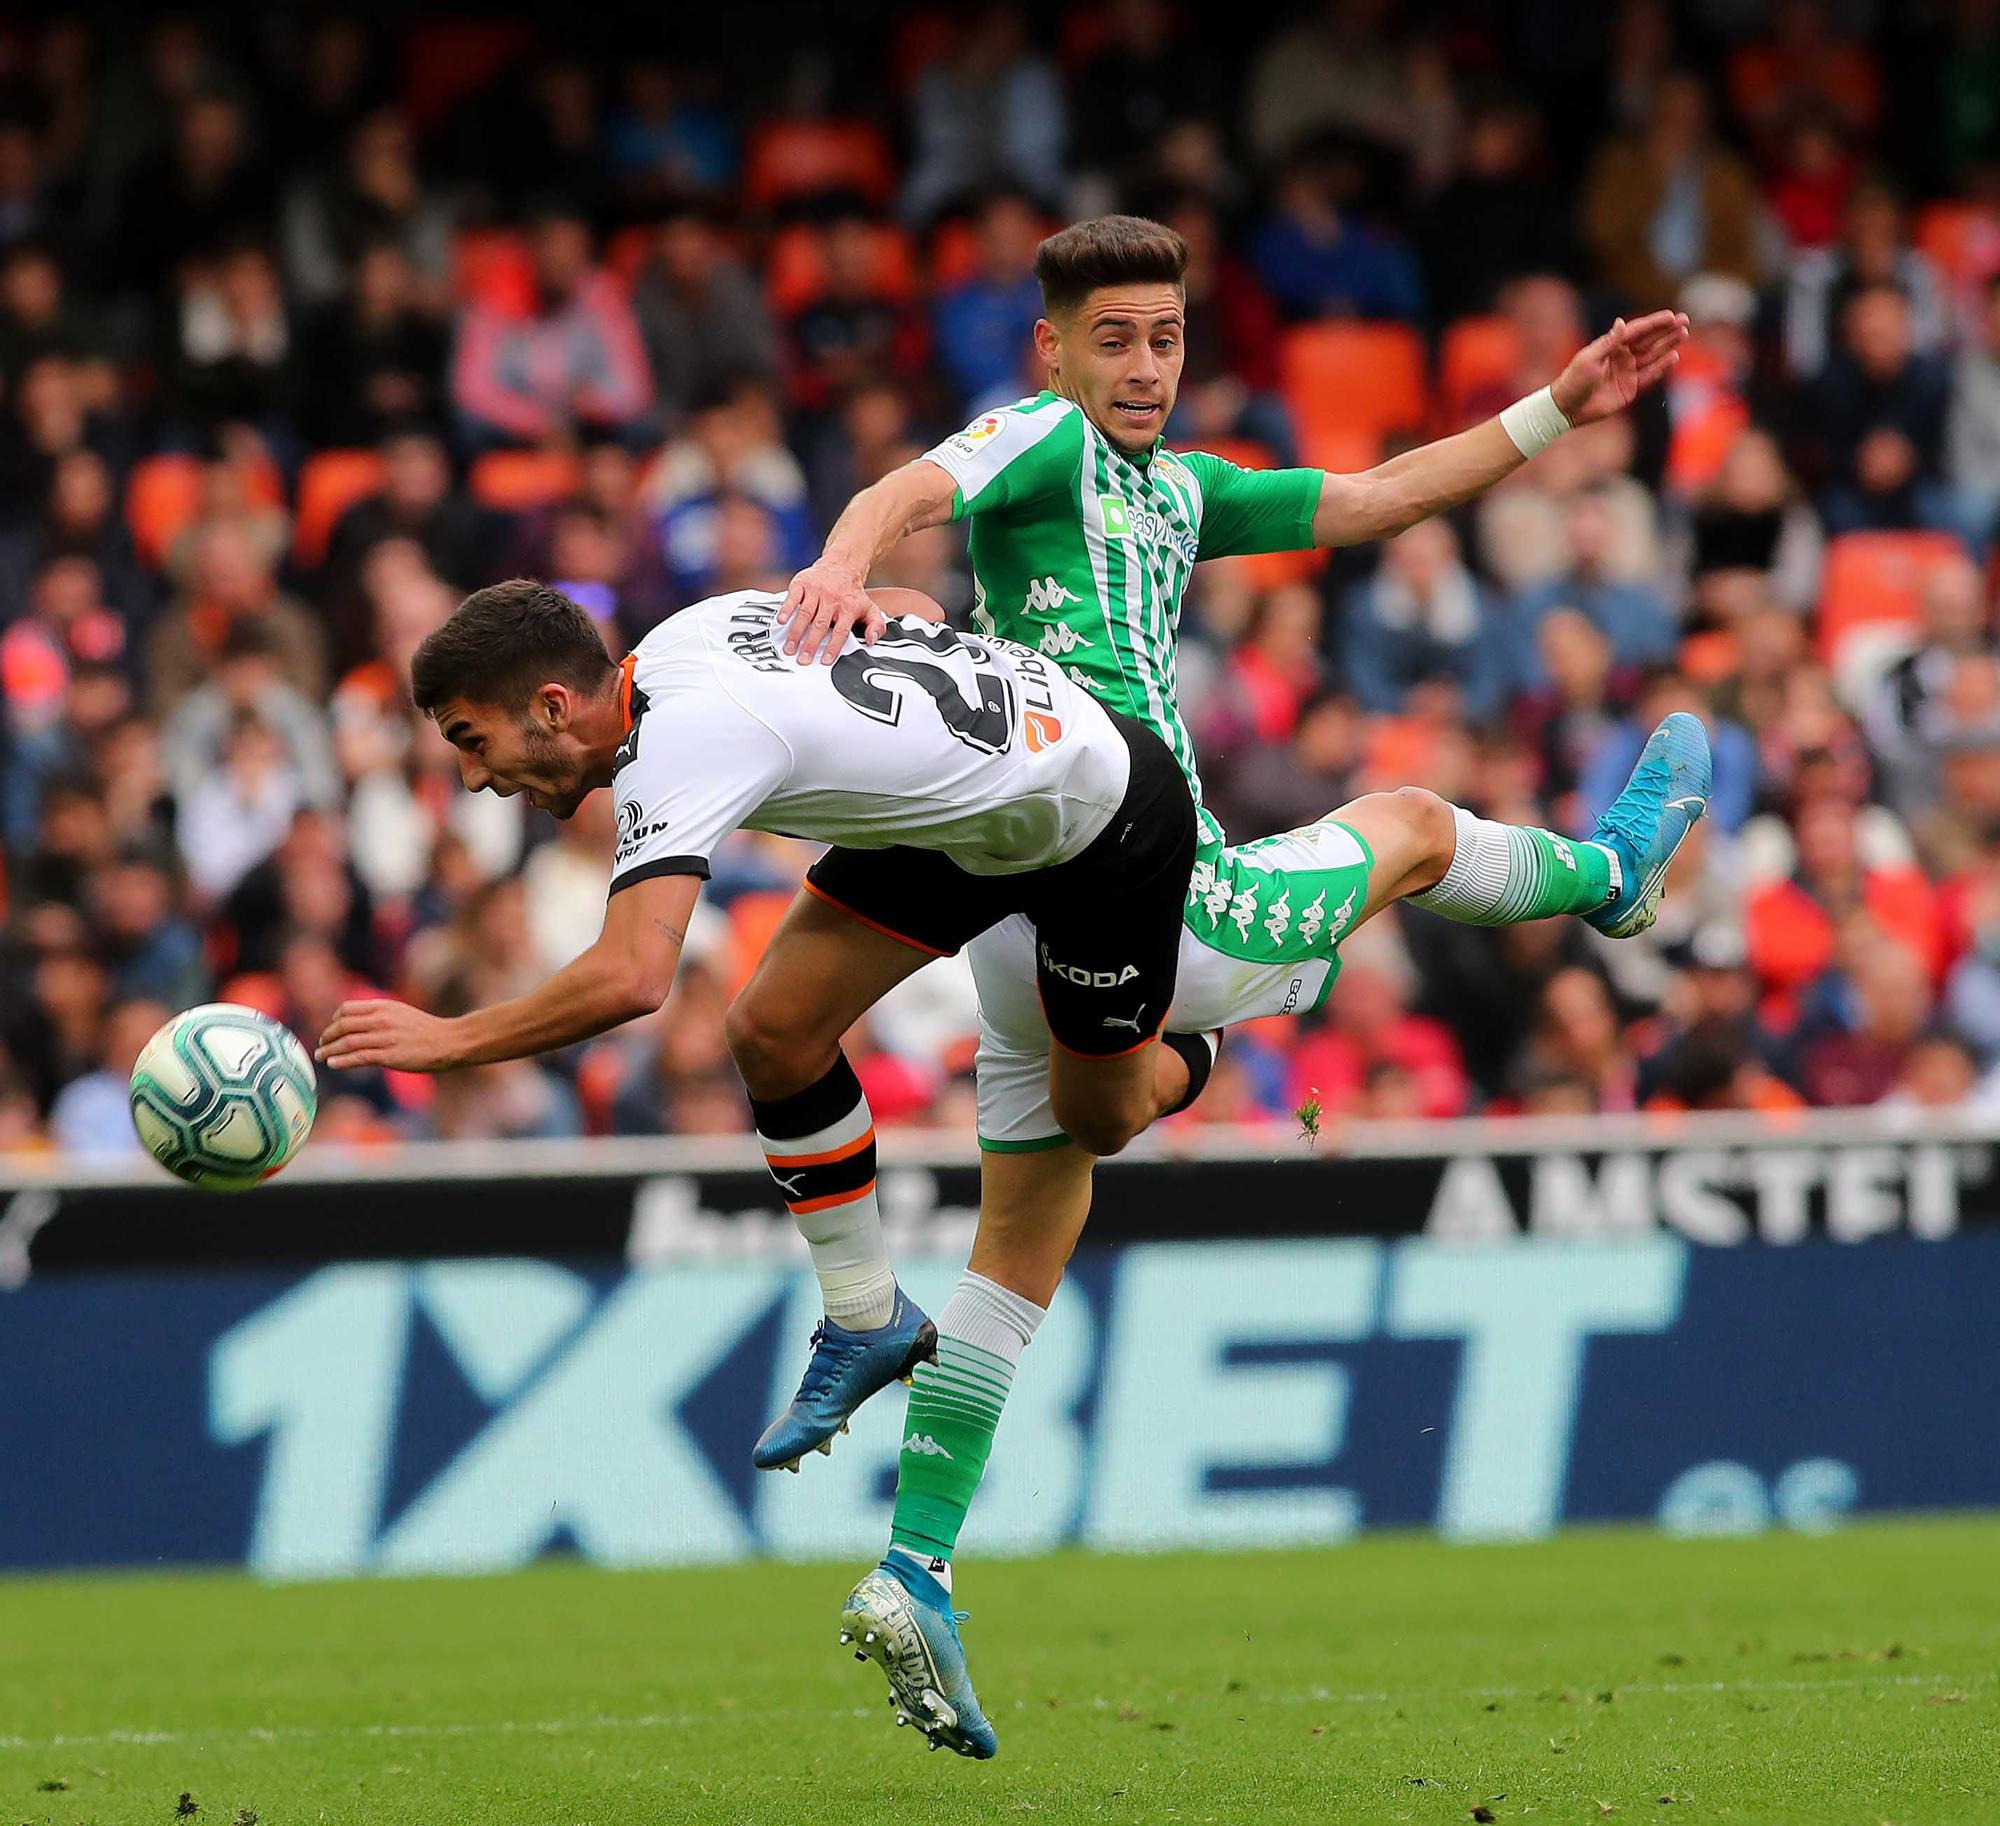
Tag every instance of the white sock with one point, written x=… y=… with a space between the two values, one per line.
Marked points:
x=938 y=1569
x=990 y=1317
x=826 y=1174
x=1501 y=874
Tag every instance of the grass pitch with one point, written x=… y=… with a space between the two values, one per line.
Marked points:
x=1854 y=1677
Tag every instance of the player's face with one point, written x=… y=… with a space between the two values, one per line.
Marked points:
x=1119 y=357
x=504 y=752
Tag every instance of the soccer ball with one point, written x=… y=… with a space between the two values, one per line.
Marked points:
x=223 y=1096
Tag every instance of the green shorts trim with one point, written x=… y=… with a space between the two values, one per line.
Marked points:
x=1039 y=1146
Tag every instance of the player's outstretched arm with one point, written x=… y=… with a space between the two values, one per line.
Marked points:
x=1603 y=378
x=829 y=596
x=625 y=974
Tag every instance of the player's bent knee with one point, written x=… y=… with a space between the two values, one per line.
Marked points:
x=1100 y=1126
x=1431 y=821
x=766 y=1040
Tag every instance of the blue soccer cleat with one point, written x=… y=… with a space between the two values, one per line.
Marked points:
x=846 y=1368
x=1649 y=821
x=902 y=1619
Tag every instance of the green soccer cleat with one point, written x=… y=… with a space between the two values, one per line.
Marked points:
x=1649 y=821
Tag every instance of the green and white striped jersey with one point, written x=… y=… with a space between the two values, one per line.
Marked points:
x=1084 y=554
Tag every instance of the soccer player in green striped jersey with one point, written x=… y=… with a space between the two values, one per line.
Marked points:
x=1084 y=531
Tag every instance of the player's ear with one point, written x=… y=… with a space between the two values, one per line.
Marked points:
x=552 y=707
x=1048 y=341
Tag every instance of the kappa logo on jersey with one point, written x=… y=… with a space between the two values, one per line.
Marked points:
x=986 y=426
x=1059 y=640
x=1087 y=979
x=924 y=1446
x=1045 y=596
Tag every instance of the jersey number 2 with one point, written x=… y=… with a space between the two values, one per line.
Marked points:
x=865 y=677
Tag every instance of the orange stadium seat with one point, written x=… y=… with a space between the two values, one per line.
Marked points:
x=329 y=484
x=789 y=159
x=753 y=918
x=518 y=481
x=162 y=497
x=1344 y=379
x=1478 y=355
x=1875 y=578
x=795 y=270
x=1961 y=239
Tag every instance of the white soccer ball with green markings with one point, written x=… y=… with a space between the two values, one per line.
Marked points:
x=223 y=1096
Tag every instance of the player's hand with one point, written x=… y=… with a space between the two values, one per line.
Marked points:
x=823 y=605
x=1613 y=371
x=392 y=1035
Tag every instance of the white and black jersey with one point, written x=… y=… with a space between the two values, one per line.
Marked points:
x=974 y=747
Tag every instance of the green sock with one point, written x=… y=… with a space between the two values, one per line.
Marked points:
x=1502 y=874
x=955 y=1405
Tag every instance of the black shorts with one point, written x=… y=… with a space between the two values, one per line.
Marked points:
x=1107 y=923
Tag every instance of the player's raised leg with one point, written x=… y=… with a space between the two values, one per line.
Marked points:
x=824 y=968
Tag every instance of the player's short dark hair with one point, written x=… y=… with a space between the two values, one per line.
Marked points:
x=503 y=642
x=1106 y=250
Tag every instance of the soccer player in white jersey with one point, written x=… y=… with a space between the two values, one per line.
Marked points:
x=960 y=779
x=1084 y=530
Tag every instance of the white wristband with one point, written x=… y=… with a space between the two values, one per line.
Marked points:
x=1534 y=423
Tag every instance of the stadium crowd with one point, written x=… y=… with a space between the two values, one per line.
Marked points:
x=307 y=328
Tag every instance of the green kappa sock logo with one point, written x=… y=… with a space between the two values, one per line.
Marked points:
x=1117 y=521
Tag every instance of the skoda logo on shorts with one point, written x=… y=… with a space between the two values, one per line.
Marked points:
x=1087 y=979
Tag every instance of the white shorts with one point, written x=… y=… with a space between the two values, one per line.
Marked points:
x=1261 y=936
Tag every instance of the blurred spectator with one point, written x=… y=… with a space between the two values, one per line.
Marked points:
x=235 y=816
x=1803 y=64
x=149 y=948
x=1340 y=72
x=1906 y=716
x=39 y=315
x=1498 y=218
x=574 y=362
x=1669 y=202
x=1880 y=408
x=1874 y=249
x=1368 y=1022
x=91 y=1117
x=373 y=359
x=702 y=315
x=1423 y=616
x=373 y=198
x=1575 y=707
x=1864 y=1063
x=1279 y=787
x=230 y=583
x=1144 y=78
x=1972 y=424
x=247 y=680
x=1316 y=259
x=856 y=328
x=1811 y=177
x=990 y=111
x=209 y=189
x=985 y=326
x=1753 y=520
x=1791 y=925
x=732 y=449
x=1631 y=616
x=1276 y=668
x=660 y=142
x=1229 y=373
x=1579 y=1037
x=1716 y=1051
x=233 y=360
